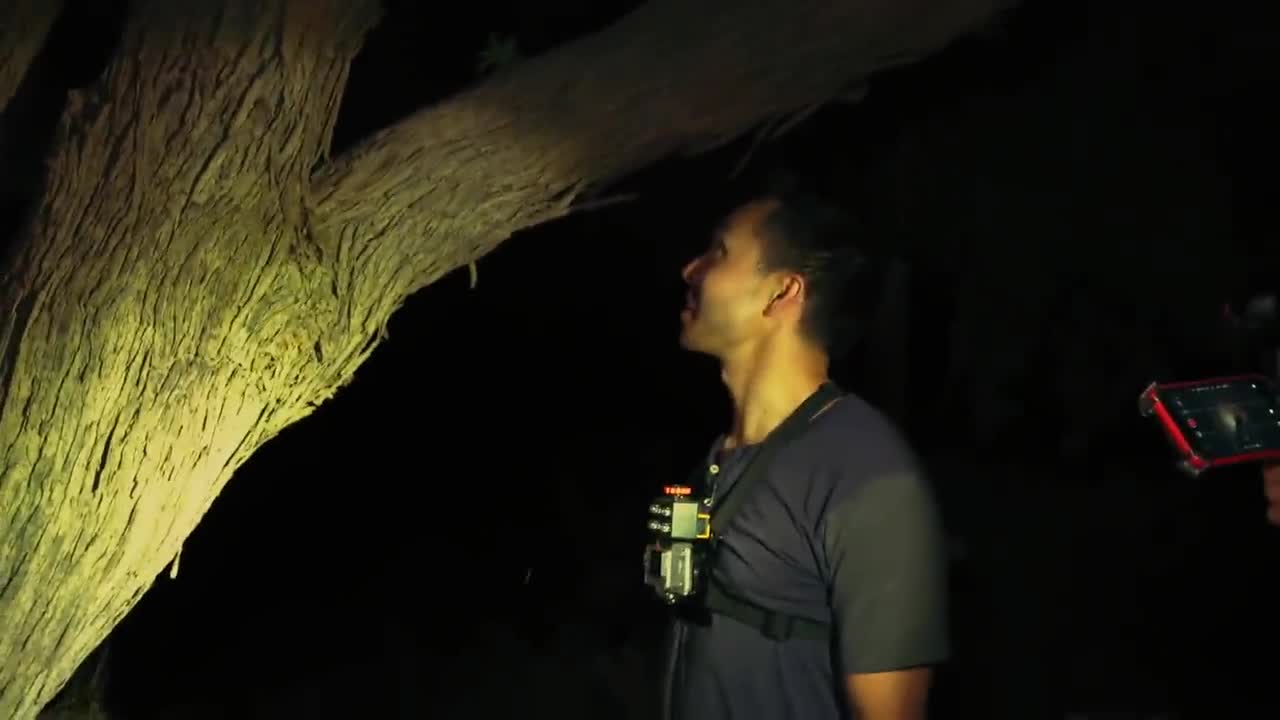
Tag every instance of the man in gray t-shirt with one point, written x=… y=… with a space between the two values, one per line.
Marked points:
x=840 y=531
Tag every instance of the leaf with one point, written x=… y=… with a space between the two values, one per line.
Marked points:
x=500 y=52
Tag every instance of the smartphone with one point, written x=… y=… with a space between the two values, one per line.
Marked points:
x=1218 y=421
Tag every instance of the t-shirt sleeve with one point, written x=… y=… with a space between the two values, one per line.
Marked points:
x=887 y=557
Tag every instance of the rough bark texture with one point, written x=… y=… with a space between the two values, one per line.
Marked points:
x=24 y=24
x=188 y=287
x=456 y=179
x=163 y=317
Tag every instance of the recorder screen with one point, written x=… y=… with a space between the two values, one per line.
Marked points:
x=1226 y=419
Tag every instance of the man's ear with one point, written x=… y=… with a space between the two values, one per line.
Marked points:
x=789 y=292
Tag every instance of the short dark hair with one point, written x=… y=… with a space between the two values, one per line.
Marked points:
x=817 y=239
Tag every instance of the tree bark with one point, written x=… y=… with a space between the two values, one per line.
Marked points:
x=456 y=179
x=162 y=317
x=188 y=287
x=24 y=25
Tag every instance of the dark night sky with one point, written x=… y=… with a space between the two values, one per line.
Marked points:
x=1092 y=169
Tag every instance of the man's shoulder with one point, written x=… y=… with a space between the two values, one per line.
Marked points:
x=854 y=437
x=851 y=448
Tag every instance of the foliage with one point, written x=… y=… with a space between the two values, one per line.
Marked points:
x=500 y=52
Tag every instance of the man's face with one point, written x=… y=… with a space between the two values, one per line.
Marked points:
x=728 y=292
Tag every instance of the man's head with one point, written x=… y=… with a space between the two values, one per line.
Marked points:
x=782 y=267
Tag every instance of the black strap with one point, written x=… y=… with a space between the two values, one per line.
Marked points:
x=774 y=625
x=723 y=600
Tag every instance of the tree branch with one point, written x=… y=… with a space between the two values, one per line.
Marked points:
x=24 y=25
x=448 y=184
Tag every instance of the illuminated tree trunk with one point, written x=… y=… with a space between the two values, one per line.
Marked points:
x=199 y=274
x=163 y=315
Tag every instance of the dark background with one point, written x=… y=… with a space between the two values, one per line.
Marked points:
x=1071 y=196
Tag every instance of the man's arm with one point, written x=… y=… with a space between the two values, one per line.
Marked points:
x=890 y=695
x=888 y=564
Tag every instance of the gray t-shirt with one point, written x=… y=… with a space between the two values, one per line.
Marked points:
x=843 y=529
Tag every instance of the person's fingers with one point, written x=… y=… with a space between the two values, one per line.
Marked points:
x=1271 y=482
x=1271 y=488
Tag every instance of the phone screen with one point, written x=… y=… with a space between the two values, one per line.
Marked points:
x=1227 y=418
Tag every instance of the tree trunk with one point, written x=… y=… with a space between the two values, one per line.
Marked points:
x=188 y=287
x=24 y=24
x=164 y=314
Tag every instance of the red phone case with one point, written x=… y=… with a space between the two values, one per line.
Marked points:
x=1152 y=403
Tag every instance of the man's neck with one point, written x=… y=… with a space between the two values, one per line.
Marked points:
x=767 y=385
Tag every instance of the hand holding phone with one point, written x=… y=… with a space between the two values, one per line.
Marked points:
x=1271 y=487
